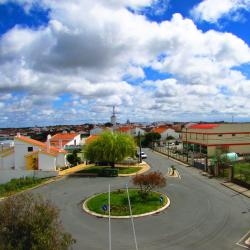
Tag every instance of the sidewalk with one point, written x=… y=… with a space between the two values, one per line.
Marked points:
x=237 y=188
x=72 y=170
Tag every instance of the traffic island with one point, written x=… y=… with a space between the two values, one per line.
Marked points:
x=141 y=206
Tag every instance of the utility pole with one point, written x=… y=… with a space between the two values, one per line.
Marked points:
x=132 y=221
x=168 y=149
x=139 y=134
x=109 y=221
x=186 y=144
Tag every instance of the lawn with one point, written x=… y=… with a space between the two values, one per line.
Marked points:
x=17 y=185
x=121 y=170
x=119 y=202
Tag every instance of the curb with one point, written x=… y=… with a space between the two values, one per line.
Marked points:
x=85 y=208
x=144 y=169
x=239 y=192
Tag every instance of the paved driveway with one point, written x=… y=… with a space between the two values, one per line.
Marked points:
x=203 y=214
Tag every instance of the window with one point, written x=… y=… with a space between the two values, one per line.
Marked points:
x=30 y=149
x=220 y=135
x=233 y=134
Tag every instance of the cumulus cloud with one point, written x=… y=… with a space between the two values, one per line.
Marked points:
x=90 y=56
x=212 y=10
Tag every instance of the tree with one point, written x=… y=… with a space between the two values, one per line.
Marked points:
x=29 y=222
x=150 y=138
x=73 y=159
x=147 y=182
x=110 y=147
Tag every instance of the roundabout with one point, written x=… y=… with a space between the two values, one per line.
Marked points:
x=97 y=205
x=203 y=213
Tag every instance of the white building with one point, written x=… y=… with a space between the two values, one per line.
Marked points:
x=65 y=140
x=29 y=154
x=166 y=132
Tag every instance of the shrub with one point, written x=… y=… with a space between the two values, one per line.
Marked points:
x=109 y=172
x=73 y=159
x=18 y=184
x=147 y=182
x=29 y=222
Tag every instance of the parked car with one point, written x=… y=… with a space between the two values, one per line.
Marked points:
x=143 y=155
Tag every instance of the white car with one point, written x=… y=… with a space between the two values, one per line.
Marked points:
x=143 y=155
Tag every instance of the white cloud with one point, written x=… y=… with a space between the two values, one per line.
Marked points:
x=212 y=10
x=88 y=56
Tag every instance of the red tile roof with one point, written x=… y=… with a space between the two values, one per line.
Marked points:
x=59 y=140
x=124 y=129
x=40 y=144
x=159 y=130
x=204 y=126
x=91 y=138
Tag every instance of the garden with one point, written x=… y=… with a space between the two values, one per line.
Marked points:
x=143 y=199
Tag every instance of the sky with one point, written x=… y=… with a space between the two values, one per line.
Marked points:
x=69 y=62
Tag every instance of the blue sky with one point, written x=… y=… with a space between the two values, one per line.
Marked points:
x=155 y=60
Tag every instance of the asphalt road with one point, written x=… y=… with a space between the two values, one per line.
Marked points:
x=203 y=214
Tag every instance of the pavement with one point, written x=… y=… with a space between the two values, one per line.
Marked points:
x=203 y=215
x=237 y=188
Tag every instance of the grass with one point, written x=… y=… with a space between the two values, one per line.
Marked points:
x=119 y=202
x=17 y=185
x=121 y=170
x=242 y=171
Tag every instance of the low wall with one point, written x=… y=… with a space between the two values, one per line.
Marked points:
x=7 y=175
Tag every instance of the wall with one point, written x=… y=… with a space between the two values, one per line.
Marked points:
x=75 y=141
x=7 y=175
x=7 y=162
x=46 y=162
x=61 y=160
x=21 y=149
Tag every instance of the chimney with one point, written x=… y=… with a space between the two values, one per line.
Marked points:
x=60 y=144
x=48 y=143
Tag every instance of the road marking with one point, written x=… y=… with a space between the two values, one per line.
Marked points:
x=243 y=242
x=176 y=174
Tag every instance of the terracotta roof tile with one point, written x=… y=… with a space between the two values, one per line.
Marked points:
x=40 y=144
x=91 y=138
x=204 y=126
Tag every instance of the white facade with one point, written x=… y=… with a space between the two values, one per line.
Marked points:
x=136 y=131
x=21 y=149
x=7 y=160
x=61 y=160
x=171 y=132
x=75 y=142
x=46 y=162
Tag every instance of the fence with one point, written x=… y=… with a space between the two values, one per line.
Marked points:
x=195 y=160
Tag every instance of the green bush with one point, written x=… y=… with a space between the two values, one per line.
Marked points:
x=109 y=172
x=29 y=222
x=15 y=185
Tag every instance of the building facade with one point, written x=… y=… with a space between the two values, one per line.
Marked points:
x=208 y=138
x=29 y=154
